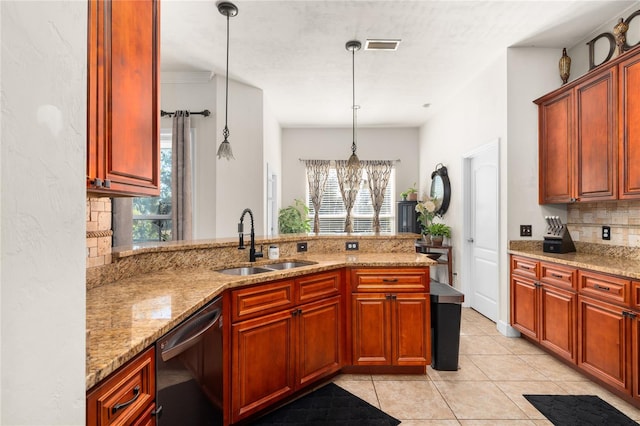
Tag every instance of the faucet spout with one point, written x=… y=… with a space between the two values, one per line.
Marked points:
x=253 y=254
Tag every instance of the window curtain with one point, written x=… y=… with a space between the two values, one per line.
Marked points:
x=378 y=173
x=181 y=191
x=349 y=182
x=317 y=174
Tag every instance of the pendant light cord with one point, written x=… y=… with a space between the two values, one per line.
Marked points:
x=225 y=132
x=353 y=75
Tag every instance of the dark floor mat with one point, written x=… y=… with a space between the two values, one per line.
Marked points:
x=578 y=410
x=328 y=405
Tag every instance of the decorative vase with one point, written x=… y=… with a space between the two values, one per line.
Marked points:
x=564 y=66
x=436 y=240
x=426 y=238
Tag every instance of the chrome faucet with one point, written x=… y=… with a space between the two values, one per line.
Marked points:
x=253 y=254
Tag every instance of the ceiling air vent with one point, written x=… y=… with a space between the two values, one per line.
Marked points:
x=381 y=44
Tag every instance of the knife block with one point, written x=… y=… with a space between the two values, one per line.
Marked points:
x=558 y=241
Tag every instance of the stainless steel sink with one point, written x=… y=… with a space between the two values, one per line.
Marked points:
x=288 y=265
x=246 y=270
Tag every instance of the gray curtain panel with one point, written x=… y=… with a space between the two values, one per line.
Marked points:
x=181 y=190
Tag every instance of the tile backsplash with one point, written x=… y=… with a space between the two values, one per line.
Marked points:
x=585 y=222
x=98 y=231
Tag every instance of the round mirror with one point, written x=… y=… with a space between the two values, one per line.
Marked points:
x=440 y=189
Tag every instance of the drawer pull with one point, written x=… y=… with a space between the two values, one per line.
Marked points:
x=389 y=280
x=628 y=314
x=136 y=394
x=556 y=275
x=601 y=287
x=525 y=267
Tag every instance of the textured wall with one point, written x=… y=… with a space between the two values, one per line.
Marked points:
x=586 y=220
x=43 y=248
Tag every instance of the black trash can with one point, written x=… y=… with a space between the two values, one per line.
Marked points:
x=446 y=304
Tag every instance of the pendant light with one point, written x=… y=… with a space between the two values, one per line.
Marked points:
x=224 y=151
x=354 y=162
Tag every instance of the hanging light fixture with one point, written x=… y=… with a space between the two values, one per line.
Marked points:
x=354 y=161
x=224 y=151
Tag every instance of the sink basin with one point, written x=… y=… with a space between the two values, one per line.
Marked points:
x=287 y=265
x=247 y=270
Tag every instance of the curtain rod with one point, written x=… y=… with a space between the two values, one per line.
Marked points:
x=206 y=113
x=305 y=159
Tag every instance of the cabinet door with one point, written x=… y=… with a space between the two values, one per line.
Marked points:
x=602 y=342
x=629 y=137
x=635 y=355
x=262 y=364
x=319 y=346
x=597 y=137
x=411 y=335
x=558 y=321
x=371 y=329
x=555 y=159
x=123 y=145
x=524 y=305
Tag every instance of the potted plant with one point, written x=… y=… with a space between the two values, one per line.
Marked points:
x=294 y=219
x=438 y=231
x=410 y=193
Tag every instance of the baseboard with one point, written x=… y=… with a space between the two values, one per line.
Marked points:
x=506 y=330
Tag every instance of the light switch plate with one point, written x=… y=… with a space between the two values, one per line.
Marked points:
x=525 y=230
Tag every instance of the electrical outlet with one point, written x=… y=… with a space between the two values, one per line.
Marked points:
x=606 y=232
x=525 y=230
x=302 y=247
x=352 y=245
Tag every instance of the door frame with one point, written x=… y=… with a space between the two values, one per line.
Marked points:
x=466 y=198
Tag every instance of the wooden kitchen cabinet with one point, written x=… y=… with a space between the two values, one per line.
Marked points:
x=578 y=141
x=629 y=149
x=602 y=342
x=127 y=396
x=123 y=146
x=390 y=320
x=303 y=342
x=543 y=304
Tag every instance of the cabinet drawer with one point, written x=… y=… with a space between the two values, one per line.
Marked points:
x=524 y=267
x=605 y=287
x=558 y=275
x=396 y=280
x=125 y=395
x=635 y=299
x=261 y=299
x=317 y=286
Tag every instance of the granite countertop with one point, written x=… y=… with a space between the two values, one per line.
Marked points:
x=600 y=262
x=129 y=315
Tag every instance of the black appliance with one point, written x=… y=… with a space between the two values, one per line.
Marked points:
x=189 y=370
x=557 y=239
x=407 y=217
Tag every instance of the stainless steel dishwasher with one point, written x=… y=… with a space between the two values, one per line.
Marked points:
x=189 y=370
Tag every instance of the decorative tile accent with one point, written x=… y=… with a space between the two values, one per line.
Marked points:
x=585 y=221
x=98 y=231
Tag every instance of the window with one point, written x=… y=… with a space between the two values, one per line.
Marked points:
x=152 y=215
x=332 y=211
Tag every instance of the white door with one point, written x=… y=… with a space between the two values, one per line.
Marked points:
x=482 y=207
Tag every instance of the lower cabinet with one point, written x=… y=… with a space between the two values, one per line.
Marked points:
x=390 y=317
x=275 y=355
x=127 y=396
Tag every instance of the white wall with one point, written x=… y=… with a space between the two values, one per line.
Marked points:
x=197 y=92
x=43 y=247
x=272 y=153
x=335 y=144
x=476 y=115
x=239 y=183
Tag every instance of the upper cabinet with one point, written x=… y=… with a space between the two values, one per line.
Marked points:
x=123 y=148
x=586 y=136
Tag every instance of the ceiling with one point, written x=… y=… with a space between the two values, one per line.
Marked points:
x=295 y=50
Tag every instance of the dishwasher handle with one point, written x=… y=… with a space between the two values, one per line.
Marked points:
x=189 y=334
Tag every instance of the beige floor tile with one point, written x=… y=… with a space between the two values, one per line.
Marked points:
x=544 y=422
x=437 y=422
x=553 y=368
x=518 y=345
x=496 y=423
x=400 y=377
x=481 y=345
x=467 y=371
x=412 y=400
x=515 y=390
x=362 y=389
x=479 y=401
x=506 y=368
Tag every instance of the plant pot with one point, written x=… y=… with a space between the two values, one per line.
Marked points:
x=426 y=238
x=436 y=240
x=413 y=196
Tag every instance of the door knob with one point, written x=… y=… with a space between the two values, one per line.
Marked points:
x=469 y=240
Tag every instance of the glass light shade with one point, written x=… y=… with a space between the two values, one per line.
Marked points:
x=224 y=151
x=564 y=66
